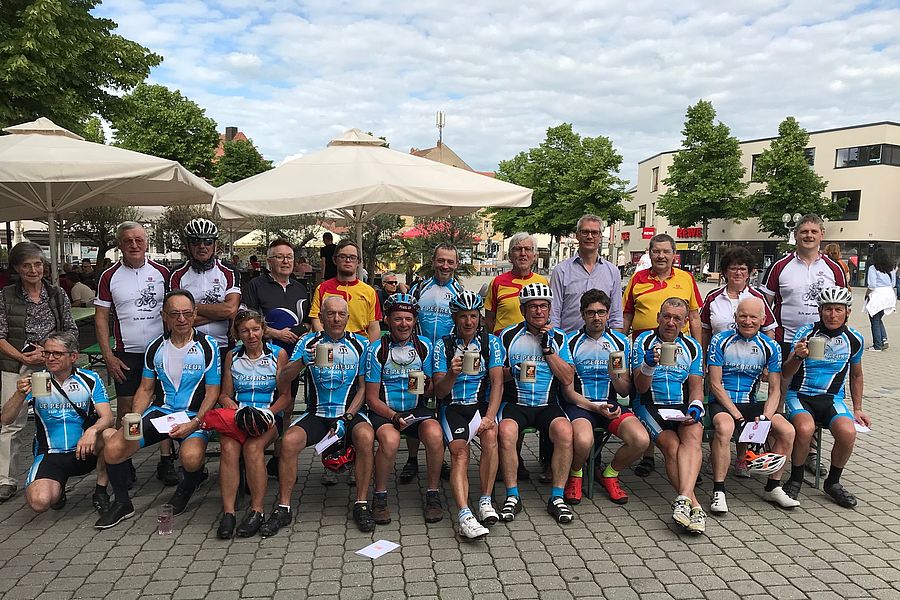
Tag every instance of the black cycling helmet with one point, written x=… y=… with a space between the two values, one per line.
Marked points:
x=253 y=421
x=405 y=302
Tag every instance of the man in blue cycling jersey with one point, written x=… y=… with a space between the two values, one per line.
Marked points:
x=468 y=383
x=593 y=398
x=334 y=406
x=678 y=388
x=66 y=443
x=815 y=392
x=187 y=365
x=736 y=362
x=397 y=366
x=539 y=365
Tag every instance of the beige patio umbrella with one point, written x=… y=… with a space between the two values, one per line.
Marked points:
x=356 y=177
x=46 y=170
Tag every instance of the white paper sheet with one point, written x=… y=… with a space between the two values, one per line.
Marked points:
x=860 y=427
x=379 y=548
x=327 y=441
x=671 y=414
x=474 y=424
x=756 y=433
x=165 y=423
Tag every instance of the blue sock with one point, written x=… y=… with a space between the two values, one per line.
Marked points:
x=464 y=512
x=513 y=491
x=381 y=495
x=556 y=492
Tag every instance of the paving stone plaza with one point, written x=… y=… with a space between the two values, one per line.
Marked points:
x=818 y=551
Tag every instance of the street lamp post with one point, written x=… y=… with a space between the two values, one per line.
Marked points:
x=790 y=223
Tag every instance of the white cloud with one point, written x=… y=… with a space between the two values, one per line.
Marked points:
x=293 y=74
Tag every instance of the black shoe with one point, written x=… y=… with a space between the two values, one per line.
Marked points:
x=115 y=514
x=61 y=502
x=250 y=525
x=281 y=516
x=100 y=501
x=180 y=499
x=409 y=471
x=445 y=471
x=645 y=467
x=840 y=495
x=792 y=488
x=363 y=517
x=272 y=467
x=226 y=527
x=165 y=472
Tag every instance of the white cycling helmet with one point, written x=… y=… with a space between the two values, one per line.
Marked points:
x=199 y=229
x=765 y=463
x=836 y=295
x=535 y=291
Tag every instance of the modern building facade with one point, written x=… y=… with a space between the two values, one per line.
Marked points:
x=860 y=163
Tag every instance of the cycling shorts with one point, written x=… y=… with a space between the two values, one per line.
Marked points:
x=655 y=424
x=455 y=419
x=824 y=409
x=317 y=428
x=597 y=420
x=152 y=436
x=750 y=411
x=135 y=363
x=59 y=467
x=539 y=417
x=413 y=430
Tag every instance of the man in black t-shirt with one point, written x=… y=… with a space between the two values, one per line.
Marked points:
x=329 y=269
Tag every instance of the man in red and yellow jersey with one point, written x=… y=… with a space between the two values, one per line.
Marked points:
x=362 y=299
x=501 y=307
x=649 y=288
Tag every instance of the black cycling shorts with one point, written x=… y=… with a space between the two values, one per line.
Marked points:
x=455 y=419
x=411 y=431
x=539 y=417
x=59 y=467
x=317 y=428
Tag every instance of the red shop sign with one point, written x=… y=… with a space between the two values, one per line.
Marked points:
x=689 y=232
x=648 y=232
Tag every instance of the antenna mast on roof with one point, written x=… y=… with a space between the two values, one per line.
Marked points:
x=439 y=121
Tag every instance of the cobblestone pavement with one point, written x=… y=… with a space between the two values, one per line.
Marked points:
x=819 y=551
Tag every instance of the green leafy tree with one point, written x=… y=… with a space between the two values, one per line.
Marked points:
x=298 y=230
x=240 y=160
x=167 y=234
x=705 y=180
x=161 y=122
x=97 y=225
x=59 y=61
x=459 y=231
x=790 y=184
x=571 y=176
x=93 y=130
x=379 y=240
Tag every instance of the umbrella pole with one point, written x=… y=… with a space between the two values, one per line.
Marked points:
x=359 y=242
x=54 y=249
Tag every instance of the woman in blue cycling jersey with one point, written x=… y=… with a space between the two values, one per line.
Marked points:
x=249 y=376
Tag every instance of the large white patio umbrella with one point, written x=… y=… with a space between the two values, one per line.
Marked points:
x=356 y=178
x=46 y=171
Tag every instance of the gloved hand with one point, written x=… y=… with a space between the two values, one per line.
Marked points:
x=340 y=429
x=696 y=410
x=547 y=342
x=650 y=357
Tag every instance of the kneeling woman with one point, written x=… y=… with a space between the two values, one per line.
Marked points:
x=249 y=376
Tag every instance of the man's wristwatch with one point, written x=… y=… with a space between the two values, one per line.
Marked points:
x=348 y=416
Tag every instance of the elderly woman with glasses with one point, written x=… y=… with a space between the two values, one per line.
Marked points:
x=30 y=310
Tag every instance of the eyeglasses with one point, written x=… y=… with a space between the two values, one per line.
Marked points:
x=282 y=257
x=738 y=269
x=54 y=353
x=202 y=241
x=661 y=252
x=180 y=314
x=538 y=307
x=389 y=282
x=346 y=257
x=589 y=232
x=522 y=249
x=590 y=314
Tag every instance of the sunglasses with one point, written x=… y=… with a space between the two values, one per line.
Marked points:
x=204 y=241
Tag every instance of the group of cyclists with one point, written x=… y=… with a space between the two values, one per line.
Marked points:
x=453 y=367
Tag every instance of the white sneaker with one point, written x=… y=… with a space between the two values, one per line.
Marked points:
x=779 y=497
x=471 y=528
x=698 y=520
x=718 y=505
x=486 y=513
x=681 y=511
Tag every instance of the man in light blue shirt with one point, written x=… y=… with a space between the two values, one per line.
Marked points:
x=585 y=271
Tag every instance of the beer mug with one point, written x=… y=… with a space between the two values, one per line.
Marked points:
x=528 y=371
x=471 y=362
x=324 y=355
x=133 y=426
x=816 y=346
x=617 y=363
x=416 y=382
x=40 y=384
x=667 y=354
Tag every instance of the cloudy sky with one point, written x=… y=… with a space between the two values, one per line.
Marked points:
x=293 y=73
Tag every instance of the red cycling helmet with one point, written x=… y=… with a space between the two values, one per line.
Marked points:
x=340 y=459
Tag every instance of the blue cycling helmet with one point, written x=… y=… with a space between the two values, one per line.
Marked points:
x=404 y=302
x=466 y=300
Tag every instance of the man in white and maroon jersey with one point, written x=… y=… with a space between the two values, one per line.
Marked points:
x=129 y=307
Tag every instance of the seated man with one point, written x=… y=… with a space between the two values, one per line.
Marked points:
x=186 y=363
x=67 y=444
x=737 y=360
x=463 y=396
x=396 y=366
x=815 y=395
x=593 y=398
x=678 y=387
x=336 y=396
x=538 y=361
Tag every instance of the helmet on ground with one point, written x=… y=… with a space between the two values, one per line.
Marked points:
x=535 y=291
x=200 y=229
x=765 y=463
x=339 y=459
x=466 y=300
x=836 y=295
x=254 y=421
x=405 y=302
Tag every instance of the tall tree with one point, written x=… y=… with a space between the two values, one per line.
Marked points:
x=93 y=130
x=161 y=122
x=705 y=181
x=298 y=230
x=379 y=239
x=459 y=231
x=571 y=176
x=240 y=160
x=98 y=224
x=167 y=234
x=790 y=184
x=59 y=61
